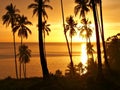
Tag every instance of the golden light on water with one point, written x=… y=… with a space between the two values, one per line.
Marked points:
x=83 y=54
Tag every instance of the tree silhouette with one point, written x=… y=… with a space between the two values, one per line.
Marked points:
x=86 y=32
x=94 y=9
x=34 y=6
x=39 y=9
x=41 y=48
x=21 y=27
x=71 y=25
x=10 y=18
x=24 y=56
x=102 y=36
x=82 y=7
x=23 y=30
x=67 y=38
x=45 y=28
x=113 y=51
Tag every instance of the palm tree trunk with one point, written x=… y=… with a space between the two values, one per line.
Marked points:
x=103 y=40
x=71 y=61
x=100 y=74
x=71 y=46
x=20 y=70
x=15 y=56
x=25 y=70
x=20 y=62
x=44 y=43
x=91 y=53
x=41 y=48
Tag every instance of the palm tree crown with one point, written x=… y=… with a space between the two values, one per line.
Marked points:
x=86 y=28
x=45 y=27
x=82 y=7
x=10 y=16
x=71 y=24
x=21 y=26
x=24 y=54
x=34 y=6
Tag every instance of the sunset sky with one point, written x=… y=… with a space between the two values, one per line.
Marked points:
x=111 y=15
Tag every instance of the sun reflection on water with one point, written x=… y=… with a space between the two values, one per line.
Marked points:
x=84 y=54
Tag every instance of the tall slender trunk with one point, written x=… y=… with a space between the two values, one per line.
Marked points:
x=20 y=69
x=41 y=48
x=71 y=61
x=103 y=40
x=100 y=74
x=24 y=70
x=91 y=53
x=44 y=43
x=20 y=62
x=71 y=46
x=15 y=55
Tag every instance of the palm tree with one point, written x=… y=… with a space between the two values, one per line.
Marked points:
x=86 y=32
x=71 y=25
x=34 y=6
x=22 y=29
x=24 y=56
x=91 y=3
x=41 y=48
x=94 y=8
x=71 y=62
x=10 y=18
x=82 y=7
x=41 y=13
x=45 y=29
x=102 y=35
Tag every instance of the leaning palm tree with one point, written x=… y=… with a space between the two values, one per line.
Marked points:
x=40 y=4
x=23 y=30
x=71 y=62
x=24 y=56
x=71 y=25
x=10 y=18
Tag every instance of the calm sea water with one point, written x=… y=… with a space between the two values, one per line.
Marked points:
x=57 y=58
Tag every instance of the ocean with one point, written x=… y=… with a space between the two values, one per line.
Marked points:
x=56 y=54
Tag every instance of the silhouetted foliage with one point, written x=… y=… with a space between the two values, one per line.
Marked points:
x=58 y=73
x=10 y=18
x=24 y=56
x=113 y=52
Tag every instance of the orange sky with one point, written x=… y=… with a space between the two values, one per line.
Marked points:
x=111 y=14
